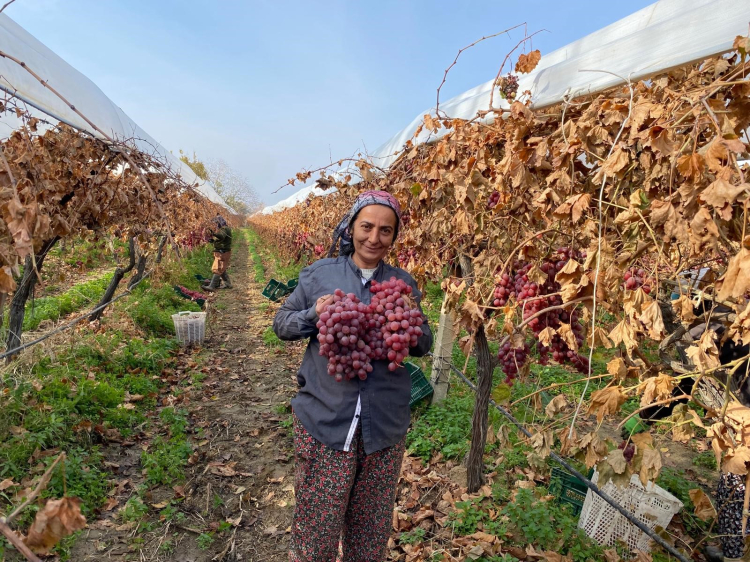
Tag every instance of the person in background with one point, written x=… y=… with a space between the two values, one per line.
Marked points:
x=349 y=436
x=220 y=235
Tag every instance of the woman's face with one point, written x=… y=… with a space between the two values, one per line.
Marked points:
x=373 y=232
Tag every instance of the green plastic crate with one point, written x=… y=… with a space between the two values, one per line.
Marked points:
x=632 y=426
x=568 y=489
x=420 y=386
x=274 y=290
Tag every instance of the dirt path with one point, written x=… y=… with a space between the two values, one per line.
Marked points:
x=237 y=500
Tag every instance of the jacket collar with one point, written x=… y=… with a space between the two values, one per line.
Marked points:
x=377 y=274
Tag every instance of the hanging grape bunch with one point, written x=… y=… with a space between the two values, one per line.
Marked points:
x=395 y=322
x=512 y=360
x=341 y=328
x=635 y=278
x=493 y=199
x=405 y=256
x=534 y=297
x=508 y=86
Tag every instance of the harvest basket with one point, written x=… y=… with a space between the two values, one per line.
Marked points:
x=568 y=489
x=652 y=505
x=190 y=327
x=420 y=386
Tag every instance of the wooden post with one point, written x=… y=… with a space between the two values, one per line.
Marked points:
x=443 y=352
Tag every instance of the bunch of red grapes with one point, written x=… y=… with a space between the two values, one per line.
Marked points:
x=493 y=200
x=512 y=360
x=634 y=278
x=534 y=298
x=341 y=330
x=405 y=256
x=395 y=324
x=353 y=334
x=628 y=450
x=508 y=86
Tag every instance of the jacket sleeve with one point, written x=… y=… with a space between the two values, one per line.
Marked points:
x=296 y=319
x=424 y=343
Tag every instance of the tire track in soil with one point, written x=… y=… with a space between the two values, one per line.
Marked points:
x=241 y=469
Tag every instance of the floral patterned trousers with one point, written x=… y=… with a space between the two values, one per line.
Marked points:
x=730 y=497
x=342 y=497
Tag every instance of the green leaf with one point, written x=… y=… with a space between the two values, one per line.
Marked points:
x=501 y=393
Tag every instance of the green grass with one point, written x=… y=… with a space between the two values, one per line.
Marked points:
x=85 y=294
x=270 y=338
x=253 y=242
x=71 y=401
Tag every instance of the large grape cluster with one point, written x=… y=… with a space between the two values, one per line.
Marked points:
x=341 y=330
x=353 y=334
x=535 y=297
x=493 y=199
x=399 y=323
x=635 y=278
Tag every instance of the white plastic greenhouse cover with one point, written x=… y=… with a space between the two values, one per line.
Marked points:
x=82 y=93
x=667 y=34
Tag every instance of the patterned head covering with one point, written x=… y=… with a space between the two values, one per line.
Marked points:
x=220 y=222
x=342 y=232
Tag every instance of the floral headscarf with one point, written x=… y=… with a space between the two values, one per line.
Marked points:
x=342 y=234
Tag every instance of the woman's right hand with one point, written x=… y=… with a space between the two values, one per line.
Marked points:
x=322 y=303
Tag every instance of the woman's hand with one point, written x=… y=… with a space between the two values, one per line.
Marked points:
x=322 y=303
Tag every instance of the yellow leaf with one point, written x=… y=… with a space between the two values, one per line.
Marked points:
x=546 y=335
x=617 y=161
x=606 y=401
x=736 y=460
x=656 y=389
x=555 y=405
x=617 y=369
x=652 y=320
x=704 y=509
x=566 y=333
x=57 y=520
x=650 y=466
x=527 y=63
x=721 y=193
x=683 y=307
x=736 y=281
x=624 y=333
x=705 y=355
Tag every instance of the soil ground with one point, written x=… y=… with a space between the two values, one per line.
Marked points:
x=241 y=468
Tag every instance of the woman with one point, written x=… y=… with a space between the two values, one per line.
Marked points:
x=221 y=238
x=348 y=436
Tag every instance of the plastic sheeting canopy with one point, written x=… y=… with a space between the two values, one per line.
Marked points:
x=82 y=93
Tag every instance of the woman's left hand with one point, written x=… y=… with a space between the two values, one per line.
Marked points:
x=322 y=303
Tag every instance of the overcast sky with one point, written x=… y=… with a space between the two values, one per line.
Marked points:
x=273 y=87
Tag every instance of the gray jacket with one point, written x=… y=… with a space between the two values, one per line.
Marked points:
x=330 y=410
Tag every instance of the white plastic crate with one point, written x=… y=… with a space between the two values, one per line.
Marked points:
x=652 y=505
x=190 y=327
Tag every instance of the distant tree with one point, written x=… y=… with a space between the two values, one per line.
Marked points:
x=196 y=165
x=232 y=187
